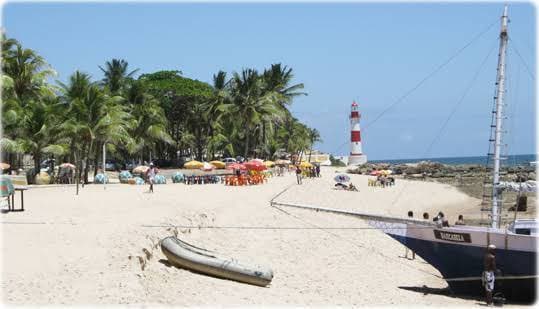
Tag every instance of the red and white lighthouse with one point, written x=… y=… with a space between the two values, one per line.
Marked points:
x=356 y=153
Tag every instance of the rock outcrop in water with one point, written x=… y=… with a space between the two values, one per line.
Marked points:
x=431 y=169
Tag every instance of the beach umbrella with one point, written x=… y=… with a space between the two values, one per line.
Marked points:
x=375 y=173
x=4 y=166
x=218 y=164
x=136 y=181
x=43 y=178
x=342 y=178
x=101 y=178
x=305 y=164
x=159 y=180
x=207 y=167
x=269 y=163
x=236 y=166
x=255 y=165
x=259 y=160
x=6 y=186
x=178 y=177
x=193 y=165
x=282 y=162
x=125 y=176
x=68 y=165
x=141 y=169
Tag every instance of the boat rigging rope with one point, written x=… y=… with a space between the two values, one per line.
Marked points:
x=450 y=116
x=422 y=81
x=514 y=47
x=431 y=74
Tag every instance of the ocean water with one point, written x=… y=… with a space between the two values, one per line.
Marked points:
x=511 y=160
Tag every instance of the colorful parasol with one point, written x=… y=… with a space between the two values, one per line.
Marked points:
x=255 y=165
x=282 y=162
x=193 y=165
x=125 y=176
x=6 y=186
x=269 y=163
x=101 y=178
x=305 y=164
x=218 y=164
x=342 y=178
x=4 y=166
x=159 y=180
x=141 y=169
x=236 y=166
x=207 y=167
x=68 y=165
x=178 y=177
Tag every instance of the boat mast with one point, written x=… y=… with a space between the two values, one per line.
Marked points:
x=500 y=91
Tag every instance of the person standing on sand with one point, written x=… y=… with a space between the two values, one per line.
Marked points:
x=298 y=174
x=150 y=175
x=410 y=215
x=488 y=273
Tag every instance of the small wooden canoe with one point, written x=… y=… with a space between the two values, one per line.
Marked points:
x=187 y=256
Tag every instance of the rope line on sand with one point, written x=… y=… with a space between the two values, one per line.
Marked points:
x=271 y=227
x=314 y=226
x=353 y=243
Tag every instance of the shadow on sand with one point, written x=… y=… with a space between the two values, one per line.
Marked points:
x=425 y=290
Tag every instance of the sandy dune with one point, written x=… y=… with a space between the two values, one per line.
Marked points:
x=91 y=248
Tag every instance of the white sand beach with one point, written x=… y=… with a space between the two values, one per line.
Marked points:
x=89 y=249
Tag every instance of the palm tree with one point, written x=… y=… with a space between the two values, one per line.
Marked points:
x=252 y=102
x=25 y=91
x=314 y=136
x=27 y=70
x=116 y=75
x=278 y=79
x=93 y=118
x=148 y=125
x=215 y=111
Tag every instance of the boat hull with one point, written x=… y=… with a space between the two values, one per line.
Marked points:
x=462 y=266
x=187 y=256
x=458 y=254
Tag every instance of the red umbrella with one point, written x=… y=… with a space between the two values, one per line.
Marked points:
x=375 y=173
x=255 y=165
x=236 y=166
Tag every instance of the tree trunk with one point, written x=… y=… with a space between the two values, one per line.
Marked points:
x=72 y=158
x=37 y=161
x=247 y=135
x=86 y=165
x=96 y=159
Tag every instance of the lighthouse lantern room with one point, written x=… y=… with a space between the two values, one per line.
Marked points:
x=356 y=154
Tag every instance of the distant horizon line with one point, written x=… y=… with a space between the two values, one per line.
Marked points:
x=476 y=156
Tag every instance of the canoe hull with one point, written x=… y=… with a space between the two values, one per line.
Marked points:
x=187 y=256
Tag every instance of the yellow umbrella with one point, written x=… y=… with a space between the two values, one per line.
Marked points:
x=305 y=164
x=218 y=164
x=193 y=165
x=269 y=163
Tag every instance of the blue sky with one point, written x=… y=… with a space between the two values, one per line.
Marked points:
x=372 y=53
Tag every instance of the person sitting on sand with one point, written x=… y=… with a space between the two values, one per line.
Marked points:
x=460 y=221
x=351 y=187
